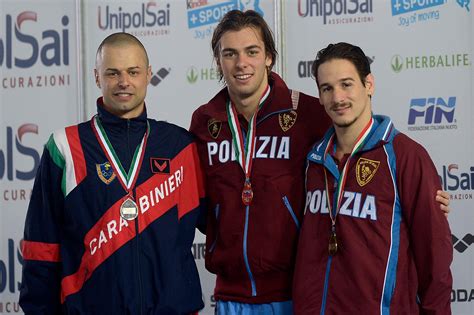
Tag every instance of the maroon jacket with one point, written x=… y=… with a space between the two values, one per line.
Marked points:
x=394 y=243
x=252 y=249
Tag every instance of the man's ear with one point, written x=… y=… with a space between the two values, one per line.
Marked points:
x=148 y=74
x=370 y=84
x=96 y=75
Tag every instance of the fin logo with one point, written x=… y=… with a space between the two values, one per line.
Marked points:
x=433 y=110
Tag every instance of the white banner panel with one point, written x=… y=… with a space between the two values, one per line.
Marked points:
x=39 y=93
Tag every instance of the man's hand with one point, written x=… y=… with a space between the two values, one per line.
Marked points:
x=443 y=198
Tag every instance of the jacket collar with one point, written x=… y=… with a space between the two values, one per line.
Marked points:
x=383 y=132
x=278 y=101
x=109 y=119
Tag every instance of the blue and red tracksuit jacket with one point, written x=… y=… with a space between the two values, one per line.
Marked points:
x=252 y=248
x=80 y=256
x=394 y=244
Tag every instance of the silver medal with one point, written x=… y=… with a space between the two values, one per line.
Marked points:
x=129 y=209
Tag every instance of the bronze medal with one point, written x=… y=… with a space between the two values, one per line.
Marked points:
x=247 y=193
x=332 y=243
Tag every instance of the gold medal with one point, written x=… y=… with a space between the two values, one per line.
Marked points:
x=332 y=243
x=247 y=193
x=129 y=209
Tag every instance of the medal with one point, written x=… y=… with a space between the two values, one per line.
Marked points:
x=129 y=209
x=340 y=184
x=332 y=243
x=247 y=193
x=244 y=145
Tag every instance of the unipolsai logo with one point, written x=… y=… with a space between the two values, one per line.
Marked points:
x=337 y=11
x=22 y=49
x=458 y=182
x=17 y=150
x=8 y=281
x=203 y=15
x=147 y=19
x=432 y=113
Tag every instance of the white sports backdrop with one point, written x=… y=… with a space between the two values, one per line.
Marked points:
x=421 y=52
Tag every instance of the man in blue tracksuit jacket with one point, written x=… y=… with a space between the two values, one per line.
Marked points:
x=114 y=206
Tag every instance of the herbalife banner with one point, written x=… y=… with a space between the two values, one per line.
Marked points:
x=421 y=53
x=39 y=93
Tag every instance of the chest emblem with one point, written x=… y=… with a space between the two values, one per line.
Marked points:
x=214 y=127
x=365 y=170
x=287 y=120
x=159 y=165
x=105 y=172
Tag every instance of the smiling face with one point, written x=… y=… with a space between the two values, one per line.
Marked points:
x=243 y=62
x=343 y=94
x=122 y=73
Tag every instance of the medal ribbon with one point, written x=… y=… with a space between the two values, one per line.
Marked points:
x=333 y=212
x=244 y=150
x=127 y=179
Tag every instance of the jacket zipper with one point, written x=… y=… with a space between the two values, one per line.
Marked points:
x=137 y=234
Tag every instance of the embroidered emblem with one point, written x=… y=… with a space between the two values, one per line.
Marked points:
x=159 y=165
x=287 y=120
x=365 y=170
x=105 y=172
x=214 y=127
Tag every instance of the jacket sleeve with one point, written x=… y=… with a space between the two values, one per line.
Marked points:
x=193 y=129
x=40 y=287
x=430 y=236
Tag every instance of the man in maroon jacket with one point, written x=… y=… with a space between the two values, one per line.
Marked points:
x=373 y=240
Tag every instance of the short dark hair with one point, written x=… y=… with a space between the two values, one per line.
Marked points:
x=236 y=20
x=121 y=38
x=346 y=51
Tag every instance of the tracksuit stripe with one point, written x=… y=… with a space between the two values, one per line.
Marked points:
x=392 y=262
x=80 y=170
x=66 y=144
x=290 y=210
x=326 y=284
x=247 y=265
x=49 y=252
